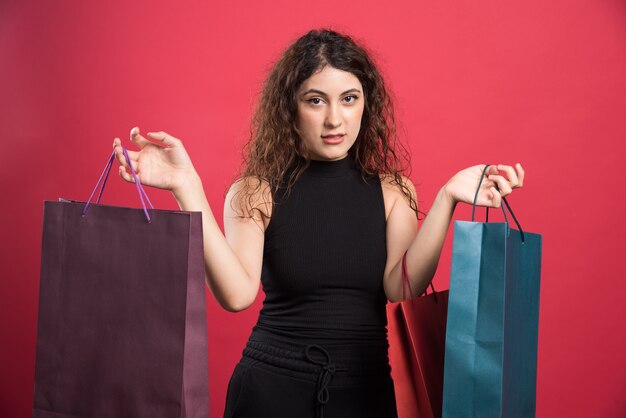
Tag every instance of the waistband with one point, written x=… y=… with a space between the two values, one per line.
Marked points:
x=355 y=358
x=341 y=364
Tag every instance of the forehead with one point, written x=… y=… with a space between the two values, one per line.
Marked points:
x=331 y=80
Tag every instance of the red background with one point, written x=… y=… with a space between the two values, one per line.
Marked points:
x=539 y=82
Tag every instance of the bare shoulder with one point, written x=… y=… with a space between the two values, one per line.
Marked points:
x=393 y=193
x=248 y=197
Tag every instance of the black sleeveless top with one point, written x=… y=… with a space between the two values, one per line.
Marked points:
x=324 y=259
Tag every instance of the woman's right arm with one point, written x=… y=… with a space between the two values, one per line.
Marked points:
x=232 y=262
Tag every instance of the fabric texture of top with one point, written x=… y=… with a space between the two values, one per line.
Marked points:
x=324 y=259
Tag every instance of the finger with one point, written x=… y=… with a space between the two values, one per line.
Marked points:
x=125 y=175
x=133 y=155
x=121 y=158
x=491 y=169
x=487 y=184
x=164 y=138
x=137 y=139
x=520 y=174
x=511 y=174
x=503 y=184
x=135 y=165
x=496 y=198
x=119 y=155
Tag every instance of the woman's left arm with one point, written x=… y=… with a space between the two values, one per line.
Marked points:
x=423 y=249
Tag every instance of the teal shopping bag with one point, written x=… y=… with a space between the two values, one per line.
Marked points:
x=493 y=313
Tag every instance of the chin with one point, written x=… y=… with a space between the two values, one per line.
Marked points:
x=337 y=155
x=330 y=152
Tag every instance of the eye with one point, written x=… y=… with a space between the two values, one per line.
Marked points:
x=351 y=99
x=315 y=100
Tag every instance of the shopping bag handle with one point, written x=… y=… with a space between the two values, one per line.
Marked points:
x=506 y=203
x=105 y=175
x=407 y=283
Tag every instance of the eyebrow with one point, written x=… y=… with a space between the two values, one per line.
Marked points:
x=354 y=90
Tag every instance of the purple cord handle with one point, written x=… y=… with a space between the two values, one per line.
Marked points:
x=105 y=175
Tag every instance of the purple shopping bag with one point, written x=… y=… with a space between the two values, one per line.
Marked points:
x=122 y=322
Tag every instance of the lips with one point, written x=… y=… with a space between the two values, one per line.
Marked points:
x=333 y=139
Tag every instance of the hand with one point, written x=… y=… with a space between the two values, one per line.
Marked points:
x=462 y=187
x=164 y=164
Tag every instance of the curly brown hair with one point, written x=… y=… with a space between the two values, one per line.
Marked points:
x=274 y=148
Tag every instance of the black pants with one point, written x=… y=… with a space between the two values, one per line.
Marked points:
x=305 y=382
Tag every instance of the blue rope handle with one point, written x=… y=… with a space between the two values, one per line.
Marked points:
x=506 y=203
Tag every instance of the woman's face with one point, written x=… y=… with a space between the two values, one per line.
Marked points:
x=329 y=109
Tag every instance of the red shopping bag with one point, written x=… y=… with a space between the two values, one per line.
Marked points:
x=417 y=333
x=122 y=318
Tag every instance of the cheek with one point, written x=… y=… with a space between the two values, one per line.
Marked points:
x=356 y=119
x=306 y=122
x=356 y=112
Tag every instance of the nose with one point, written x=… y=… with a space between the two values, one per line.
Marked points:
x=333 y=117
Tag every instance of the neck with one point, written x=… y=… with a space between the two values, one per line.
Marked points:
x=331 y=168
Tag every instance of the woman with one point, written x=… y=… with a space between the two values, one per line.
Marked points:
x=322 y=215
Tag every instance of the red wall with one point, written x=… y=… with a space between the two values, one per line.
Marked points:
x=539 y=82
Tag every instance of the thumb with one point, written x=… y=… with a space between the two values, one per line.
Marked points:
x=137 y=139
x=165 y=138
